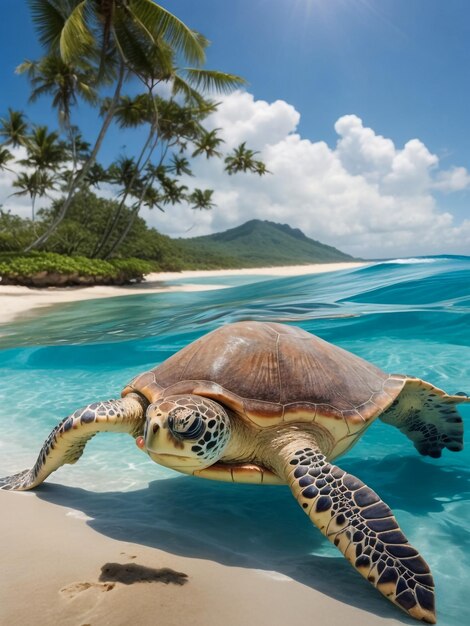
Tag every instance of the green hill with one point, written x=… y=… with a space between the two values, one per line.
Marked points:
x=260 y=243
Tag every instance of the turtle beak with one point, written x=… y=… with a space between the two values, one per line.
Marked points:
x=140 y=443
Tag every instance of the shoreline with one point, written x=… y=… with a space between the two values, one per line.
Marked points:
x=17 y=302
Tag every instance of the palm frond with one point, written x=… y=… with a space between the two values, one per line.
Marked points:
x=76 y=38
x=163 y=24
x=27 y=67
x=49 y=17
x=5 y=157
x=132 y=47
x=212 y=80
x=202 y=40
x=151 y=60
x=181 y=86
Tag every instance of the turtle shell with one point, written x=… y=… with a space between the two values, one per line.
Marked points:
x=272 y=373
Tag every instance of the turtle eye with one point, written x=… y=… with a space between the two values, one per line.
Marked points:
x=186 y=426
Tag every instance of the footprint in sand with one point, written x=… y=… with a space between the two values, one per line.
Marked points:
x=129 y=556
x=72 y=590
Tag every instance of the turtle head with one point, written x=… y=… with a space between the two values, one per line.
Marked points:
x=185 y=432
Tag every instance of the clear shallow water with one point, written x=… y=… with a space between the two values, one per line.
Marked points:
x=409 y=317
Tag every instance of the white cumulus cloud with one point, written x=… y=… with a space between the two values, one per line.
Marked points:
x=365 y=195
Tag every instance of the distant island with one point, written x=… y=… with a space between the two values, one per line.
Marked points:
x=261 y=243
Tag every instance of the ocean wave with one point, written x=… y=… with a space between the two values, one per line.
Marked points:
x=412 y=261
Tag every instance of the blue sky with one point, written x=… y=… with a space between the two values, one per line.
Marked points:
x=401 y=66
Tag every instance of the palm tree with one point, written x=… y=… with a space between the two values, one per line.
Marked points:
x=167 y=122
x=242 y=160
x=129 y=113
x=201 y=199
x=36 y=185
x=44 y=150
x=96 y=175
x=45 y=155
x=207 y=144
x=80 y=28
x=179 y=166
x=124 y=173
x=13 y=128
x=65 y=83
x=80 y=176
x=140 y=38
x=5 y=157
x=114 y=30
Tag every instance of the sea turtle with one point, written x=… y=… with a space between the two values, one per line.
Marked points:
x=268 y=403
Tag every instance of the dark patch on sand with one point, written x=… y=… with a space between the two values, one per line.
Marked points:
x=130 y=573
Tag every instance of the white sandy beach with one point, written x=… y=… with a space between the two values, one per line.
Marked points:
x=53 y=558
x=17 y=301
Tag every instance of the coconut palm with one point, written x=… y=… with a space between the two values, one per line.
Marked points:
x=45 y=156
x=170 y=124
x=124 y=173
x=208 y=144
x=151 y=198
x=242 y=160
x=79 y=176
x=130 y=113
x=117 y=31
x=179 y=166
x=36 y=185
x=78 y=28
x=96 y=175
x=13 y=128
x=5 y=157
x=44 y=150
x=142 y=39
x=65 y=82
x=201 y=199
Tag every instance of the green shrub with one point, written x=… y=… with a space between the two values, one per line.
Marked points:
x=43 y=269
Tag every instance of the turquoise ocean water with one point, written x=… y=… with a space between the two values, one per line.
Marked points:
x=408 y=316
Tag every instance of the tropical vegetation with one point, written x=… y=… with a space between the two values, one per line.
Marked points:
x=114 y=56
x=253 y=244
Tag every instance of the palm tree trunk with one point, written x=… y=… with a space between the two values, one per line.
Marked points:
x=79 y=178
x=111 y=225
x=135 y=213
x=123 y=236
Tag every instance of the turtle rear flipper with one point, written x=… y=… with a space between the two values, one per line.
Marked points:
x=362 y=526
x=67 y=441
x=428 y=416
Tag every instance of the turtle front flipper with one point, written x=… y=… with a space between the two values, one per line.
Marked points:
x=362 y=526
x=67 y=441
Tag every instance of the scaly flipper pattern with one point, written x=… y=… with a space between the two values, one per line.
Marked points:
x=68 y=439
x=428 y=416
x=361 y=525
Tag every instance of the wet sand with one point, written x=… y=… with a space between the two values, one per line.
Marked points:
x=56 y=569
